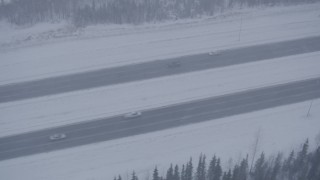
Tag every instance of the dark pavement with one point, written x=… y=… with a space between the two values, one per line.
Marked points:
x=148 y=70
x=158 y=119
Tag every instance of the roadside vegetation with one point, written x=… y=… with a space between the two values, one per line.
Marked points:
x=301 y=165
x=87 y=12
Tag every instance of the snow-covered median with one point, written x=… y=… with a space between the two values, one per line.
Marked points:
x=73 y=107
x=281 y=129
x=159 y=42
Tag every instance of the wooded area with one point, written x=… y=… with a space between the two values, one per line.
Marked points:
x=301 y=165
x=86 y=12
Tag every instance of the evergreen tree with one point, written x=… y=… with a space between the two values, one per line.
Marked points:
x=155 y=175
x=268 y=173
x=301 y=163
x=176 y=174
x=235 y=172
x=183 y=173
x=134 y=176
x=189 y=170
x=287 y=167
x=260 y=168
x=119 y=178
x=217 y=171
x=314 y=173
x=243 y=169
x=227 y=175
x=170 y=173
x=211 y=169
x=201 y=169
x=276 y=168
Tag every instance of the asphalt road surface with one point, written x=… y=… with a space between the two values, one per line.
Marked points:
x=159 y=119
x=110 y=76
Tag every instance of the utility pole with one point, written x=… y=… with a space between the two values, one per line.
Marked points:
x=255 y=148
x=308 y=114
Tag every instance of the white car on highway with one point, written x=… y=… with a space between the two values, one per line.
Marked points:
x=215 y=53
x=57 y=136
x=133 y=114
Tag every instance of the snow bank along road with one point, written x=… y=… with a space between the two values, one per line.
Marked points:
x=160 y=118
x=154 y=69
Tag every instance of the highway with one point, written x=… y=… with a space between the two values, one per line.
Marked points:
x=160 y=118
x=141 y=71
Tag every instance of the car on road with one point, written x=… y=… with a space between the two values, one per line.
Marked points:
x=215 y=53
x=133 y=114
x=57 y=136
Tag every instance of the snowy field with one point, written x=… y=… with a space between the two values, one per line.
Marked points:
x=73 y=107
x=99 y=47
x=281 y=129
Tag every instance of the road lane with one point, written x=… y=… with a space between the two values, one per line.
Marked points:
x=148 y=70
x=160 y=118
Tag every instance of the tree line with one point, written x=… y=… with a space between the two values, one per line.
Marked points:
x=86 y=12
x=301 y=165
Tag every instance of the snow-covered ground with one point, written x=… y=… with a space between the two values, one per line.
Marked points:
x=73 y=107
x=281 y=129
x=125 y=45
x=38 y=52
